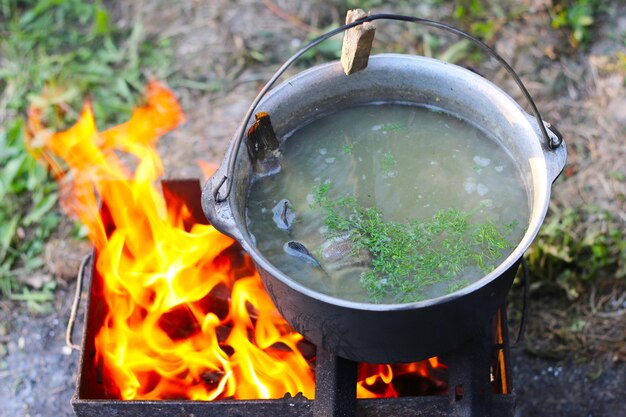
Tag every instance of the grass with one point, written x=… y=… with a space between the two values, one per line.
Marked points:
x=53 y=54
x=574 y=248
x=483 y=18
x=577 y=17
x=27 y=215
x=408 y=258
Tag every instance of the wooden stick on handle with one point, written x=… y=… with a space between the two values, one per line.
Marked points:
x=357 y=43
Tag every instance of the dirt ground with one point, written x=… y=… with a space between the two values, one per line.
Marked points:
x=224 y=51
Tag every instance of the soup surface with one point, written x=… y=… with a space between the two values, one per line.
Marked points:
x=388 y=203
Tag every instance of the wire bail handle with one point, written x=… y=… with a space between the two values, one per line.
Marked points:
x=552 y=142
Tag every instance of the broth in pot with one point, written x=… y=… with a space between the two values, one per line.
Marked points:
x=388 y=203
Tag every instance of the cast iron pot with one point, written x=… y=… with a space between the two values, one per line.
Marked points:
x=389 y=333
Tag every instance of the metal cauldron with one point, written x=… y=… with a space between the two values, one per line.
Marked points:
x=390 y=333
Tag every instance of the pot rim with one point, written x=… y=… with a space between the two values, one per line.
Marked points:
x=539 y=200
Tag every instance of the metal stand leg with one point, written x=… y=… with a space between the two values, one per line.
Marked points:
x=335 y=386
x=469 y=386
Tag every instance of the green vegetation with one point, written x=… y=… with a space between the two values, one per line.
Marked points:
x=27 y=215
x=575 y=247
x=347 y=149
x=409 y=257
x=52 y=54
x=330 y=49
x=387 y=162
x=577 y=16
x=482 y=18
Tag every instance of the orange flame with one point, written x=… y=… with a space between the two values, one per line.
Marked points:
x=154 y=271
x=182 y=321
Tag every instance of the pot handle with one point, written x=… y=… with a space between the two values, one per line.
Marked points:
x=219 y=213
x=555 y=158
x=552 y=142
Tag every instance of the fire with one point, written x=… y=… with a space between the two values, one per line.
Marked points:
x=186 y=314
x=380 y=381
x=158 y=339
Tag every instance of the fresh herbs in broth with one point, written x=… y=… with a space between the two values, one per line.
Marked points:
x=406 y=257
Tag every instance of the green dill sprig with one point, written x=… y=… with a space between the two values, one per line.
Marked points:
x=387 y=162
x=409 y=257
